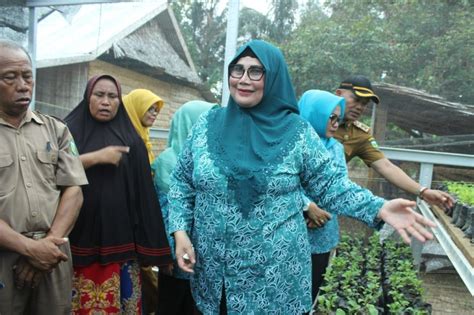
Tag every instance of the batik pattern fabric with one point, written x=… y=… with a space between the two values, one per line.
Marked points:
x=246 y=143
x=177 y=272
x=325 y=238
x=263 y=258
x=110 y=289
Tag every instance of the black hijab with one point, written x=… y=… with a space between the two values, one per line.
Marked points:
x=120 y=219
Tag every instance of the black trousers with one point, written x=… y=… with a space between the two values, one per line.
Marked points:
x=174 y=297
x=319 y=264
x=223 y=305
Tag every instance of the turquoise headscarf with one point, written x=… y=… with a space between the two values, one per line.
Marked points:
x=247 y=142
x=316 y=106
x=181 y=124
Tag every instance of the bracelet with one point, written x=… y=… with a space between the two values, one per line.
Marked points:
x=306 y=206
x=421 y=191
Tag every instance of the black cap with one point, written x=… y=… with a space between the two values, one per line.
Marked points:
x=361 y=87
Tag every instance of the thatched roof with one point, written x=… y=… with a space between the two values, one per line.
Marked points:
x=413 y=109
x=149 y=52
x=436 y=124
x=7 y=3
x=92 y=30
x=14 y=21
x=144 y=36
x=15 y=18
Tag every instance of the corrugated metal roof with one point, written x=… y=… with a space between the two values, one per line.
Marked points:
x=91 y=31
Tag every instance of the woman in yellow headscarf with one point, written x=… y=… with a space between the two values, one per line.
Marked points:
x=142 y=107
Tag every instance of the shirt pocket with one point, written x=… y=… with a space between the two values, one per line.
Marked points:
x=48 y=164
x=7 y=175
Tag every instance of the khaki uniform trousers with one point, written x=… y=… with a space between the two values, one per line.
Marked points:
x=51 y=297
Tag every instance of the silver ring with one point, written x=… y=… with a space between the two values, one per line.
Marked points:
x=186 y=256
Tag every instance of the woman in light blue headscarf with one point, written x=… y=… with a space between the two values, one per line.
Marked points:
x=323 y=110
x=181 y=124
x=235 y=195
x=175 y=293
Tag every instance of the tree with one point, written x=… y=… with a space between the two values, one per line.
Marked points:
x=283 y=18
x=434 y=44
x=422 y=44
x=327 y=48
x=203 y=28
x=253 y=24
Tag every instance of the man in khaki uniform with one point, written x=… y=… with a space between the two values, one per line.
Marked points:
x=40 y=196
x=358 y=141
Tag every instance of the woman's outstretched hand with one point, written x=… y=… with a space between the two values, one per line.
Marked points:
x=399 y=213
x=184 y=251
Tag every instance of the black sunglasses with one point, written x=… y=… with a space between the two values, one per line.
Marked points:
x=255 y=73
x=334 y=119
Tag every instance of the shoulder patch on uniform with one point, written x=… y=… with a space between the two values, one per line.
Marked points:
x=72 y=148
x=361 y=126
x=373 y=142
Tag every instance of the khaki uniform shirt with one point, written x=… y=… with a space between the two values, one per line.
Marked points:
x=35 y=160
x=358 y=141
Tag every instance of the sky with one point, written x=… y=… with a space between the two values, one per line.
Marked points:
x=259 y=5
x=263 y=6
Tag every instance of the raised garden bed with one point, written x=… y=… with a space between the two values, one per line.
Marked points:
x=459 y=221
x=371 y=278
x=463 y=212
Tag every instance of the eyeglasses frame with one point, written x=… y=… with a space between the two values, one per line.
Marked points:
x=232 y=66
x=153 y=110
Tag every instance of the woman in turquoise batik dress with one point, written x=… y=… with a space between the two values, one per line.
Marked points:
x=235 y=195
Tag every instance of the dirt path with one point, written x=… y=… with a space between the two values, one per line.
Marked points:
x=447 y=294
